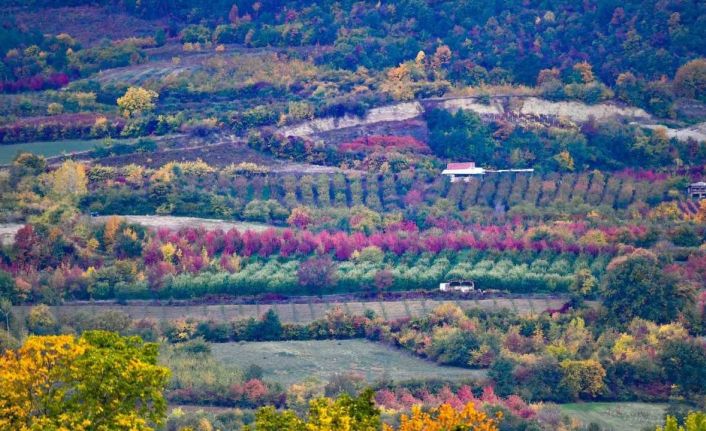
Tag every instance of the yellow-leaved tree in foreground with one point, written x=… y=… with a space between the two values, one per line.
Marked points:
x=446 y=418
x=98 y=382
x=361 y=414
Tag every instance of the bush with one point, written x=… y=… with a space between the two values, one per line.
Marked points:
x=195 y=34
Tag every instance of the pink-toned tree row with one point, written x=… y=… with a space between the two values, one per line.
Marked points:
x=399 y=239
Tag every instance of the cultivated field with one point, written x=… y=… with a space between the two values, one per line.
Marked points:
x=291 y=312
x=48 y=148
x=175 y=223
x=617 y=416
x=8 y=230
x=289 y=362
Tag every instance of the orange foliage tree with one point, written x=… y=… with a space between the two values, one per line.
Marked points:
x=446 y=418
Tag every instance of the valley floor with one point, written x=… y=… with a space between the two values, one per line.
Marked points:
x=289 y=362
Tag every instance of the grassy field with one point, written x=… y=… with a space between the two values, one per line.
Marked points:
x=617 y=416
x=8 y=230
x=173 y=222
x=301 y=312
x=289 y=362
x=48 y=148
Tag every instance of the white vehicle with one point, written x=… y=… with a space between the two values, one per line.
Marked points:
x=463 y=286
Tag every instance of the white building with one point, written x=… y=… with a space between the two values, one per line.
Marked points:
x=464 y=171
x=697 y=190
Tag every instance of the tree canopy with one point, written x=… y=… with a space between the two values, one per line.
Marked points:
x=98 y=382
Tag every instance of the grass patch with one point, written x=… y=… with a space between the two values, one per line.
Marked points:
x=50 y=148
x=288 y=362
x=199 y=371
x=617 y=416
x=176 y=222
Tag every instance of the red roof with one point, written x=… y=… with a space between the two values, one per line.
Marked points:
x=466 y=165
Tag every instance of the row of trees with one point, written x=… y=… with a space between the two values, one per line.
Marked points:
x=206 y=190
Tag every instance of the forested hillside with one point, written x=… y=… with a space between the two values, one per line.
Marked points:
x=413 y=215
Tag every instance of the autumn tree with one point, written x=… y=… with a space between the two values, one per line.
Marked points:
x=564 y=161
x=136 y=101
x=690 y=79
x=233 y=15
x=317 y=273
x=583 y=377
x=694 y=421
x=69 y=181
x=583 y=72
x=300 y=217
x=445 y=418
x=398 y=83
x=98 y=382
x=342 y=414
x=700 y=216
x=583 y=284
x=442 y=57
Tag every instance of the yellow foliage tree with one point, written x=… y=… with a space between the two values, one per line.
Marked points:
x=695 y=421
x=69 y=180
x=446 y=418
x=168 y=251
x=137 y=100
x=342 y=414
x=665 y=211
x=111 y=230
x=583 y=377
x=99 y=382
x=700 y=216
x=399 y=83
x=565 y=161
x=585 y=71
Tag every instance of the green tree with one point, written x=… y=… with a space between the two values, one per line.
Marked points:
x=41 y=321
x=6 y=313
x=501 y=374
x=7 y=286
x=342 y=414
x=270 y=327
x=684 y=363
x=636 y=286
x=459 y=136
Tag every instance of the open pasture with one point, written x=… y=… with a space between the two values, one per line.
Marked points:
x=289 y=362
x=620 y=416
x=175 y=223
